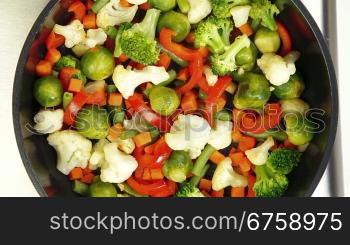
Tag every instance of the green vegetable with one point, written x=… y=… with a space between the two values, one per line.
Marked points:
x=102 y=189
x=98 y=5
x=67 y=61
x=253 y=92
x=283 y=160
x=189 y=190
x=184 y=6
x=118 y=46
x=48 y=91
x=214 y=33
x=117 y=114
x=263 y=12
x=221 y=8
x=173 y=56
x=298 y=129
x=225 y=63
x=178 y=166
x=92 y=122
x=98 y=63
x=269 y=183
x=292 y=89
x=154 y=133
x=176 y=22
x=111 y=89
x=203 y=159
x=223 y=116
x=111 y=32
x=246 y=58
x=164 y=100
x=267 y=41
x=67 y=98
x=163 y=5
x=179 y=83
x=138 y=42
x=128 y=134
x=196 y=179
x=277 y=134
x=127 y=189
x=80 y=188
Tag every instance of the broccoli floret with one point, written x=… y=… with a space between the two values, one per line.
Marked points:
x=67 y=61
x=225 y=63
x=214 y=33
x=263 y=12
x=269 y=183
x=221 y=8
x=138 y=42
x=189 y=190
x=283 y=160
x=118 y=47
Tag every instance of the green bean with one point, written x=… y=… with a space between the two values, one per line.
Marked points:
x=276 y=134
x=98 y=5
x=173 y=56
x=223 y=116
x=111 y=32
x=111 y=89
x=203 y=159
x=128 y=134
x=67 y=98
x=196 y=179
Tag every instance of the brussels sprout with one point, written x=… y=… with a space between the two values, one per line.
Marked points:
x=298 y=129
x=292 y=89
x=92 y=122
x=102 y=189
x=253 y=92
x=48 y=91
x=246 y=58
x=267 y=41
x=177 y=22
x=163 y=5
x=98 y=63
x=294 y=106
x=164 y=100
x=178 y=166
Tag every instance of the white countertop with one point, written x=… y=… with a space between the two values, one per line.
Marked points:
x=16 y=21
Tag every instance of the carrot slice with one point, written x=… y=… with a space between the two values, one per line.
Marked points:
x=205 y=185
x=44 y=68
x=143 y=139
x=115 y=99
x=89 y=21
x=217 y=157
x=246 y=143
x=76 y=174
x=219 y=193
x=189 y=102
x=236 y=158
x=156 y=174
x=75 y=85
x=53 y=56
x=246 y=29
x=238 y=192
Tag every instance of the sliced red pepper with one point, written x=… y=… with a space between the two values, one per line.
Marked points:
x=79 y=10
x=96 y=93
x=137 y=103
x=287 y=43
x=79 y=100
x=159 y=188
x=196 y=68
x=54 y=40
x=203 y=84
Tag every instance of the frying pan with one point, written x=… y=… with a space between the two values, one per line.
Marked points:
x=315 y=65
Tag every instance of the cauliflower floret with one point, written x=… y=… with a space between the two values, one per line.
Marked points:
x=210 y=76
x=276 y=68
x=95 y=37
x=225 y=176
x=189 y=133
x=74 y=33
x=258 y=156
x=220 y=136
x=119 y=166
x=127 y=80
x=114 y=14
x=48 y=122
x=73 y=150
x=137 y=2
x=199 y=10
x=240 y=15
x=97 y=158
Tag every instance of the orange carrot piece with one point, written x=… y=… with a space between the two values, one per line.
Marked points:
x=246 y=29
x=164 y=60
x=78 y=9
x=146 y=174
x=245 y=165
x=236 y=135
x=53 y=56
x=143 y=139
x=88 y=178
x=236 y=158
x=246 y=143
x=76 y=174
x=116 y=130
x=43 y=68
x=75 y=85
x=125 y=3
x=217 y=157
x=89 y=21
x=149 y=149
x=183 y=74
x=189 y=102
x=139 y=173
x=205 y=185
x=219 y=193
x=156 y=174
x=221 y=103
x=238 y=192
x=123 y=58
x=115 y=99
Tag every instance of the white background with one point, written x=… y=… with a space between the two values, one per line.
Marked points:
x=16 y=21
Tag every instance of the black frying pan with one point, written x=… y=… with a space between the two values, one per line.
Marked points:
x=316 y=67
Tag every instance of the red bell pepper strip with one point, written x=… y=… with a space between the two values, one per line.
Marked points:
x=79 y=100
x=79 y=10
x=196 y=67
x=287 y=43
x=137 y=103
x=159 y=188
x=203 y=84
x=54 y=40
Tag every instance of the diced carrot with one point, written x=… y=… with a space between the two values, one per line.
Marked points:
x=89 y=21
x=183 y=74
x=142 y=139
x=190 y=38
x=237 y=158
x=205 y=185
x=146 y=174
x=76 y=174
x=245 y=165
x=218 y=193
x=221 y=103
x=125 y=3
x=139 y=173
x=145 y=6
x=217 y=157
x=86 y=170
x=189 y=102
x=246 y=143
x=115 y=99
x=123 y=58
x=53 y=55
x=238 y=192
x=88 y=178
x=236 y=135
x=164 y=60
x=156 y=174
x=75 y=85
x=149 y=149
x=43 y=68
x=79 y=10
x=116 y=130
x=246 y=29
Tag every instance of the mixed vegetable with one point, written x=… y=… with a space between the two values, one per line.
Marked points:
x=166 y=98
